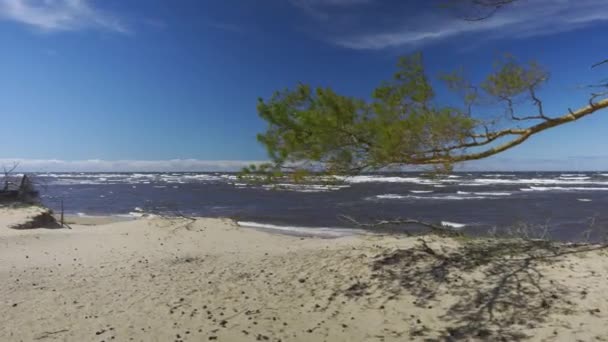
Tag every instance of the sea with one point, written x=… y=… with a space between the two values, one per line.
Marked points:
x=567 y=205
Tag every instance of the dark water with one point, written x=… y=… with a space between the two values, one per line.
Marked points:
x=565 y=202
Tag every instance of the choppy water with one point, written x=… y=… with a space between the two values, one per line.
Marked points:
x=471 y=201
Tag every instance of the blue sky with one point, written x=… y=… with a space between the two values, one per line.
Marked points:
x=120 y=85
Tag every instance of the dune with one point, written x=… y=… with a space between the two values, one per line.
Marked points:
x=154 y=279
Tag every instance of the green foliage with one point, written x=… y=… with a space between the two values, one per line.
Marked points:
x=400 y=125
x=511 y=78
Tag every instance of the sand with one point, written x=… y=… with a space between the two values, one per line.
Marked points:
x=156 y=279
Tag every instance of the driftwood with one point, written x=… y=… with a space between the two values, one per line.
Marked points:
x=438 y=229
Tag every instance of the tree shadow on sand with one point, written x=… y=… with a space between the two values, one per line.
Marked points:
x=495 y=288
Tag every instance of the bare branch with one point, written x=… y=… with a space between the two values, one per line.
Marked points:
x=538 y=103
x=7 y=174
x=438 y=229
x=11 y=169
x=484 y=9
x=600 y=63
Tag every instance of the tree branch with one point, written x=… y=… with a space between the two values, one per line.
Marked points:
x=525 y=134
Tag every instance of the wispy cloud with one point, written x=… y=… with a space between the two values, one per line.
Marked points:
x=587 y=163
x=60 y=15
x=174 y=165
x=380 y=25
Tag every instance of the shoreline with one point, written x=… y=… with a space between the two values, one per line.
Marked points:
x=287 y=230
x=210 y=279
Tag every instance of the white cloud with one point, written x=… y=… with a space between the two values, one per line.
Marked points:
x=497 y=163
x=174 y=165
x=59 y=15
x=398 y=26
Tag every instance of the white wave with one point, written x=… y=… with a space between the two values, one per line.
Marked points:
x=450 y=197
x=499 y=175
x=493 y=193
x=559 y=188
x=534 y=181
x=384 y=179
x=308 y=231
x=574 y=178
x=83 y=175
x=391 y=196
x=138 y=214
x=452 y=224
x=447 y=197
x=305 y=187
x=138 y=178
x=201 y=177
x=584 y=200
x=485 y=193
x=421 y=191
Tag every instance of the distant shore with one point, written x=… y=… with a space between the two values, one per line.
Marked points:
x=209 y=279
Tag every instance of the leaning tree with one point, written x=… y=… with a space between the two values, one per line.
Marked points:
x=404 y=123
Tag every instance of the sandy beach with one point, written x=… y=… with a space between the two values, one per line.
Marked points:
x=154 y=279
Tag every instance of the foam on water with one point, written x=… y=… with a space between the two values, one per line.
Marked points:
x=327 y=232
x=574 y=178
x=138 y=214
x=135 y=178
x=560 y=188
x=305 y=187
x=540 y=181
x=391 y=196
x=453 y=224
x=389 y=179
x=446 y=197
x=485 y=193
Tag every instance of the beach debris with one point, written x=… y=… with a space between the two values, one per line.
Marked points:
x=41 y=218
